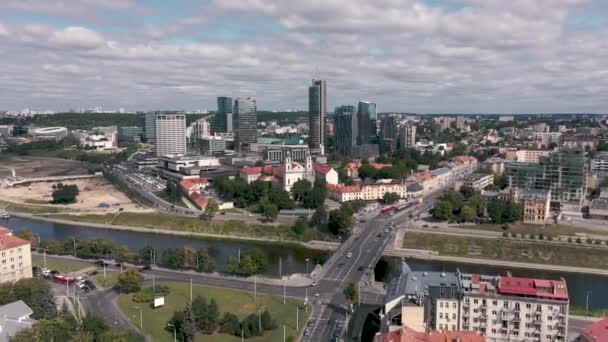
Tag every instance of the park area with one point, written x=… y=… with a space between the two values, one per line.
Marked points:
x=509 y=250
x=239 y=303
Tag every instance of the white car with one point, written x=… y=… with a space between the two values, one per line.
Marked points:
x=80 y=285
x=349 y=255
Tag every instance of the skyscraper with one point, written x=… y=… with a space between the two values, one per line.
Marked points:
x=345 y=127
x=222 y=122
x=408 y=135
x=170 y=135
x=246 y=121
x=317 y=109
x=388 y=134
x=150 y=127
x=367 y=120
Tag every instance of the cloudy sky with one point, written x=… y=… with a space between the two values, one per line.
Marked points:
x=516 y=56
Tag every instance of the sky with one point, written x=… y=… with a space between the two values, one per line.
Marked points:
x=424 y=56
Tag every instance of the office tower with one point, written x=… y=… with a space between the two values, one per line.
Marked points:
x=170 y=134
x=150 y=126
x=367 y=121
x=246 y=121
x=222 y=122
x=408 y=135
x=562 y=173
x=129 y=134
x=388 y=134
x=317 y=109
x=345 y=127
x=212 y=145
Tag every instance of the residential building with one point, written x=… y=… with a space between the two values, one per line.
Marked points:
x=388 y=134
x=317 y=109
x=461 y=166
x=200 y=129
x=598 y=209
x=14 y=317
x=408 y=135
x=170 y=134
x=191 y=189
x=326 y=173
x=372 y=191
x=212 y=145
x=598 y=165
x=222 y=121
x=427 y=179
x=150 y=127
x=445 y=122
x=284 y=175
x=366 y=151
x=506 y=118
x=352 y=168
x=6 y=130
x=496 y=165
x=478 y=181
x=345 y=126
x=460 y=122
x=536 y=205
x=595 y=332
x=407 y=334
x=527 y=156
x=562 y=173
x=443 y=176
x=367 y=118
x=547 y=139
x=130 y=134
x=245 y=111
x=16 y=257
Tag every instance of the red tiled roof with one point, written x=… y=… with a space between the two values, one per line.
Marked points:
x=322 y=168
x=353 y=165
x=9 y=241
x=4 y=230
x=379 y=166
x=541 y=288
x=425 y=175
x=341 y=188
x=250 y=171
x=460 y=336
x=410 y=335
x=596 y=332
x=199 y=200
x=188 y=184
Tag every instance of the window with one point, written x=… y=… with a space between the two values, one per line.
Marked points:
x=453 y=305
x=527 y=334
x=441 y=305
x=453 y=316
x=528 y=306
x=493 y=312
x=475 y=310
x=453 y=327
x=475 y=301
x=550 y=318
x=441 y=315
x=505 y=305
x=495 y=302
x=527 y=315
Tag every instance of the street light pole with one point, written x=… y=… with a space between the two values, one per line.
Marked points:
x=587 y=304
x=174 y=332
x=307 y=265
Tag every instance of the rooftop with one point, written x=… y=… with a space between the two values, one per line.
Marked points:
x=191 y=182
x=322 y=168
x=14 y=317
x=596 y=332
x=408 y=334
x=540 y=288
x=416 y=285
x=441 y=171
x=599 y=204
x=9 y=241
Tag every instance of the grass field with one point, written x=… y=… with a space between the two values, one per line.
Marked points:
x=240 y=303
x=32 y=208
x=509 y=250
x=581 y=311
x=111 y=279
x=547 y=230
x=64 y=266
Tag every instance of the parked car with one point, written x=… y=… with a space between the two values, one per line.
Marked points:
x=90 y=285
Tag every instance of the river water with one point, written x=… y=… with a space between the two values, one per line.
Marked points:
x=293 y=258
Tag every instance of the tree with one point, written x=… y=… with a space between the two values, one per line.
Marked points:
x=267 y=322
x=211 y=208
x=64 y=194
x=205 y=314
x=146 y=254
x=350 y=292
x=173 y=258
x=189 y=325
x=339 y=222
x=319 y=217
x=467 y=191
x=300 y=226
x=390 y=197
x=232 y=265
x=299 y=188
x=35 y=292
x=468 y=214
x=269 y=210
x=229 y=324
x=177 y=322
x=123 y=253
x=205 y=262
x=94 y=325
x=280 y=198
x=367 y=171
x=26 y=234
x=129 y=281
x=247 y=265
x=443 y=211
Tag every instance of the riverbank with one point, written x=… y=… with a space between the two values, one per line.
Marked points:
x=500 y=253
x=313 y=244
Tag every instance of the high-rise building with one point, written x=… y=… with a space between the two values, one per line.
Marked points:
x=245 y=110
x=408 y=135
x=388 y=134
x=460 y=122
x=170 y=134
x=317 y=109
x=222 y=122
x=345 y=127
x=150 y=126
x=367 y=120
x=129 y=134
x=562 y=173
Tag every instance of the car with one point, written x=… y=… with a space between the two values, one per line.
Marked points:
x=362 y=221
x=307 y=332
x=310 y=323
x=54 y=272
x=80 y=285
x=90 y=285
x=314 y=283
x=317 y=295
x=145 y=268
x=349 y=255
x=361 y=268
x=86 y=289
x=340 y=265
x=379 y=235
x=339 y=324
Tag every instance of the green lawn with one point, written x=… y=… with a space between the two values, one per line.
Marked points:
x=509 y=250
x=32 y=208
x=92 y=218
x=581 y=311
x=240 y=303
x=111 y=279
x=547 y=230
x=63 y=265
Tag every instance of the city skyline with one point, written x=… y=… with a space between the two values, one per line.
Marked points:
x=462 y=56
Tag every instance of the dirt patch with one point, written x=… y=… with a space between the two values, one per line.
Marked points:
x=93 y=192
x=28 y=167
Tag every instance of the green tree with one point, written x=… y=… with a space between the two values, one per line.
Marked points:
x=95 y=326
x=443 y=211
x=211 y=208
x=247 y=265
x=146 y=254
x=468 y=214
x=206 y=263
x=467 y=192
x=319 y=217
x=189 y=325
x=390 y=198
x=129 y=281
x=173 y=258
x=177 y=322
x=269 y=210
x=232 y=265
x=339 y=222
x=280 y=198
x=35 y=292
x=267 y=322
x=367 y=171
x=300 y=226
x=229 y=324
x=299 y=188
x=64 y=194
x=350 y=292
x=26 y=234
x=123 y=253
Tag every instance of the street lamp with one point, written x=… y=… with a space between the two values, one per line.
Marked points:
x=307 y=260
x=174 y=332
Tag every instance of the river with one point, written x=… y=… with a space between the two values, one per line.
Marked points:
x=292 y=258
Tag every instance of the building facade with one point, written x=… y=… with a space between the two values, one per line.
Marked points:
x=345 y=127
x=15 y=257
x=130 y=134
x=222 y=122
x=170 y=132
x=317 y=110
x=407 y=135
x=212 y=145
x=245 y=110
x=388 y=134
x=150 y=127
x=367 y=118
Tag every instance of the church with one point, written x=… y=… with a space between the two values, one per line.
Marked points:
x=285 y=174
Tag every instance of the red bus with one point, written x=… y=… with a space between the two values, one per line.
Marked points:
x=388 y=209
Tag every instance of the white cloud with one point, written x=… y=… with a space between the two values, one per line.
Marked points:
x=75 y=36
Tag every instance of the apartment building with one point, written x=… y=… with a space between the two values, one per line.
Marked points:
x=478 y=181
x=527 y=156
x=373 y=191
x=15 y=257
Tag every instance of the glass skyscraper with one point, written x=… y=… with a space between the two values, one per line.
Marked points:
x=246 y=121
x=222 y=122
x=317 y=109
x=345 y=127
x=367 y=120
